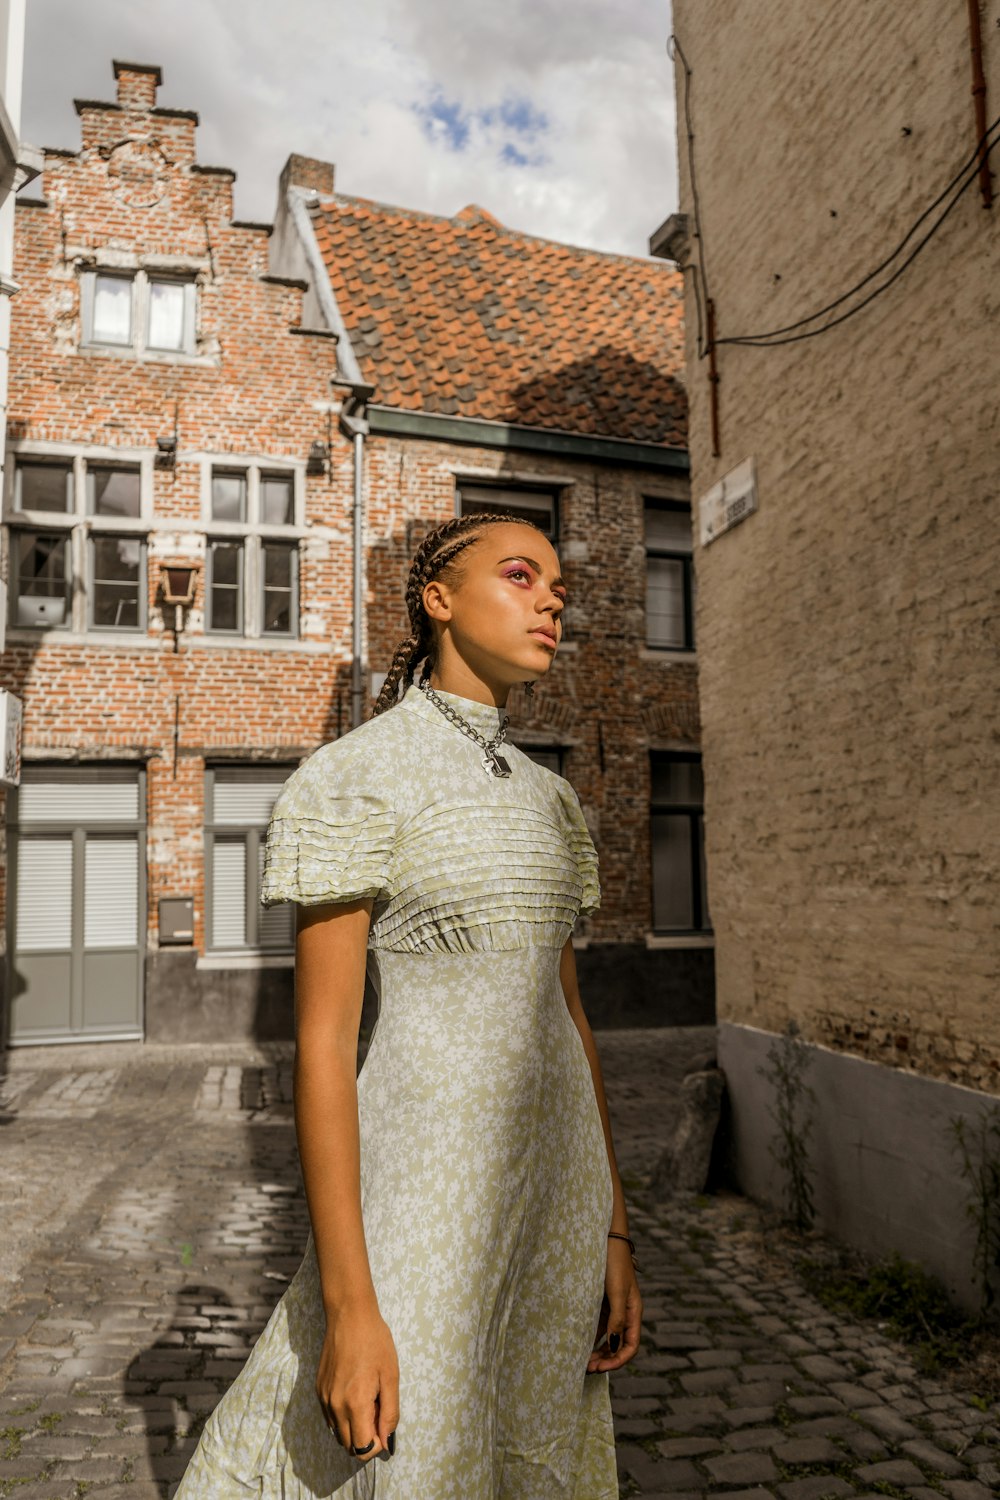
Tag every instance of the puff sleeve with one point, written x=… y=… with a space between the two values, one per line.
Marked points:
x=582 y=849
x=331 y=834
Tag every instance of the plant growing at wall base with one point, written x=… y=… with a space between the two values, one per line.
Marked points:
x=788 y=1063
x=978 y=1149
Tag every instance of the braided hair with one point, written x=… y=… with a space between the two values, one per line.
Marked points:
x=432 y=559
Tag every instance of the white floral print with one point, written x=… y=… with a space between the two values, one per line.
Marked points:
x=486 y=1191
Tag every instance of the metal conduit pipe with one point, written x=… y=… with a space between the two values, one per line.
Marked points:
x=354 y=424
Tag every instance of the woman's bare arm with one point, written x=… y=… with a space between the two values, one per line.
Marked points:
x=357 y=1381
x=624 y=1304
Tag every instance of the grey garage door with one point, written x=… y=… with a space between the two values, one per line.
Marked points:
x=77 y=904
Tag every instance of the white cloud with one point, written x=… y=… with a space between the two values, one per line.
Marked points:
x=556 y=117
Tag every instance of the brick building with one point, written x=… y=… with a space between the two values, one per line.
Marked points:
x=848 y=623
x=198 y=398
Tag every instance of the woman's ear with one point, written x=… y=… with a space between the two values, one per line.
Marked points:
x=437 y=600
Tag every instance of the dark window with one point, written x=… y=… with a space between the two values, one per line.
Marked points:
x=229 y=496
x=276 y=500
x=278 y=578
x=545 y=755
x=41 y=486
x=112 y=491
x=521 y=504
x=119 y=582
x=42 y=593
x=225 y=586
x=677 y=827
x=670 y=586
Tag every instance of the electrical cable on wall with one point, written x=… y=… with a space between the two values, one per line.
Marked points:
x=968 y=174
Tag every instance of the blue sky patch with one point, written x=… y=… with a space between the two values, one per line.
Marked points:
x=515 y=120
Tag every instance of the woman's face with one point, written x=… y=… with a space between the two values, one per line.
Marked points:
x=501 y=615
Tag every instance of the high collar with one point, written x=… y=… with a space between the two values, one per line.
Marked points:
x=485 y=718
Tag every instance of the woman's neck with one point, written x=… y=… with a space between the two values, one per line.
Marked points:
x=463 y=682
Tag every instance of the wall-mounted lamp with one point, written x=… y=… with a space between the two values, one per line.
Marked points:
x=166 y=452
x=319 y=457
x=177 y=584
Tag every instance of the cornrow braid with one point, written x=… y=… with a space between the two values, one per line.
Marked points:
x=432 y=558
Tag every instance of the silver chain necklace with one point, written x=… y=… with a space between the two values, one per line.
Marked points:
x=494 y=764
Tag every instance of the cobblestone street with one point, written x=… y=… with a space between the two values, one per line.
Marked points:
x=152 y=1216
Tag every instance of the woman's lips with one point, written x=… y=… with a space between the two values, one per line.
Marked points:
x=547 y=636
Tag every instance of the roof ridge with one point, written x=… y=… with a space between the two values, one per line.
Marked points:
x=484 y=216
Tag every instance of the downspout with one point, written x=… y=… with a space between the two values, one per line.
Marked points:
x=354 y=425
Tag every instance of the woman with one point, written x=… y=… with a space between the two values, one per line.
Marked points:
x=469 y=1275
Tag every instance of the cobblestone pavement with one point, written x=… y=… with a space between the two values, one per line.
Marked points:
x=152 y=1215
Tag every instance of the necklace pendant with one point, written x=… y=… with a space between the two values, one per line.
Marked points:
x=495 y=764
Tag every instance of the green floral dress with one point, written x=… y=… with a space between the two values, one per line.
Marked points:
x=486 y=1191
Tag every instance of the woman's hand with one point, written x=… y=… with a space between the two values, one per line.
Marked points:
x=358 y=1382
x=621 y=1313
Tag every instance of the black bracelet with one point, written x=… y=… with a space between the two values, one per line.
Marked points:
x=613 y=1234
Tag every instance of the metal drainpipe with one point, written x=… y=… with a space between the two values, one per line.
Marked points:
x=354 y=425
x=356 y=642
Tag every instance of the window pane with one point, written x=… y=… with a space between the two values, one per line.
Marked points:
x=668 y=528
x=279 y=587
x=113 y=492
x=706 y=920
x=42 y=579
x=276 y=500
x=665 y=602
x=229 y=497
x=535 y=506
x=672 y=871
x=112 y=310
x=225 y=610
x=677 y=782
x=45 y=487
x=118 y=580
x=229 y=893
x=166 y=315
x=552 y=759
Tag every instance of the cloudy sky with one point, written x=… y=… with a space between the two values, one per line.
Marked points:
x=556 y=115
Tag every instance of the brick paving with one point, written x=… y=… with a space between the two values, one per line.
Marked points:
x=145 y=1247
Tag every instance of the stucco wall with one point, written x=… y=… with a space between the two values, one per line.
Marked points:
x=848 y=629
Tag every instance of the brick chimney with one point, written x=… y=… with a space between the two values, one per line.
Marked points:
x=137 y=85
x=306 y=172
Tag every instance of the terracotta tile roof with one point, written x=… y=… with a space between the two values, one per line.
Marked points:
x=464 y=317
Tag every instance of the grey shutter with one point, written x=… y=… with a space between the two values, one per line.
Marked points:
x=44 y=911
x=244 y=802
x=229 y=893
x=275 y=924
x=74 y=799
x=111 y=893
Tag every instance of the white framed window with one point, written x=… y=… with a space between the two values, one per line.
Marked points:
x=238 y=802
x=141 y=311
x=252 y=514
x=521 y=503
x=77 y=527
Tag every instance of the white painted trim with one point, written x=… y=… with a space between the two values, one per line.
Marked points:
x=245 y=961
x=666 y=655
x=347 y=360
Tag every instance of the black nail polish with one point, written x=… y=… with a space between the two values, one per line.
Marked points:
x=390 y=1443
x=614 y=1339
